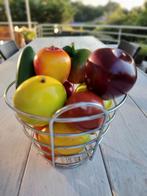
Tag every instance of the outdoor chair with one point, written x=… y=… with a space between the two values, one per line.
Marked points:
x=130 y=48
x=8 y=49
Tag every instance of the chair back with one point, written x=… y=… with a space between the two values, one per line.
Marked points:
x=130 y=48
x=8 y=49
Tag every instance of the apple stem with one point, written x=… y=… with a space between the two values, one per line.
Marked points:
x=54 y=48
x=42 y=80
x=73 y=46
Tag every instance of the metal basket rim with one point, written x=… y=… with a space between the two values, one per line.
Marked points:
x=71 y=106
x=108 y=116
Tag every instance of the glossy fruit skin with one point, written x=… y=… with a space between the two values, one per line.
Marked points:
x=77 y=73
x=85 y=96
x=108 y=104
x=81 y=88
x=39 y=95
x=54 y=62
x=69 y=87
x=63 y=140
x=110 y=72
x=25 y=67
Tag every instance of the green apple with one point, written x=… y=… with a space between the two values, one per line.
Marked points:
x=39 y=95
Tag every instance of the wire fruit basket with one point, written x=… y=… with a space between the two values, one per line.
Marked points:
x=73 y=154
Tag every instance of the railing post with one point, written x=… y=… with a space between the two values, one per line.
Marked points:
x=28 y=13
x=119 y=35
x=8 y=14
x=39 y=30
x=81 y=30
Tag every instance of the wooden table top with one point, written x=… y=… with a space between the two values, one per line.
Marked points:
x=119 y=167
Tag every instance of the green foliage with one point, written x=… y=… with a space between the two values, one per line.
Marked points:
x=111 y=7
x=131 y=17
x=118 y=17
x=62 y=11
x=142 y=55
x=86 y=13
x=2 y=12
x=18 y=11
x=52 y=11
x=141 y=19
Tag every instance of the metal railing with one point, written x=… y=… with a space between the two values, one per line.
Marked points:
x=106 y=33
x=19 y=23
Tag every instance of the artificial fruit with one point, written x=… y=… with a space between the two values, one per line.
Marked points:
x=54 y=62
x=69 y=87
x=110 y=72
x=62 y=141
x=39 y=95
x=78 y=60
x=82 y=111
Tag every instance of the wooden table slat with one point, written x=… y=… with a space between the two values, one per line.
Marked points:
x=14 y=154
x=119 y=167
x=124 y=150
x=14 y=149
x=42 y=179
x=139 y=92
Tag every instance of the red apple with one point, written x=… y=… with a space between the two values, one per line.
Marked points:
x=110 y=72
x=85 y=96
x=69 y=87
x=54 y=62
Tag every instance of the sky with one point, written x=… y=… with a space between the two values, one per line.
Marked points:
x=124 y=3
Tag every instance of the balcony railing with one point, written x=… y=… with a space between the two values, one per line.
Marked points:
x=109 y=34
x=106 y=33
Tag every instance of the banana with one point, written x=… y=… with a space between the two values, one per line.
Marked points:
x=25 y=67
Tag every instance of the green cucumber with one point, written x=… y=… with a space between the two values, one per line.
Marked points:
x=25 y=67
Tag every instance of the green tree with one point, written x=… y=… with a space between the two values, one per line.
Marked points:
x=110 y=7
x=117 y=17
x=2 y=12
x=18 y=10
x=132 y=16
x=86 y=13
x=52 y=11
x=141 y=19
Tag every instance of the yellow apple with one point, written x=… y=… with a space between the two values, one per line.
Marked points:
x=39 y=95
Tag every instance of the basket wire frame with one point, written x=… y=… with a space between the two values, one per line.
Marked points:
x=88 y=148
